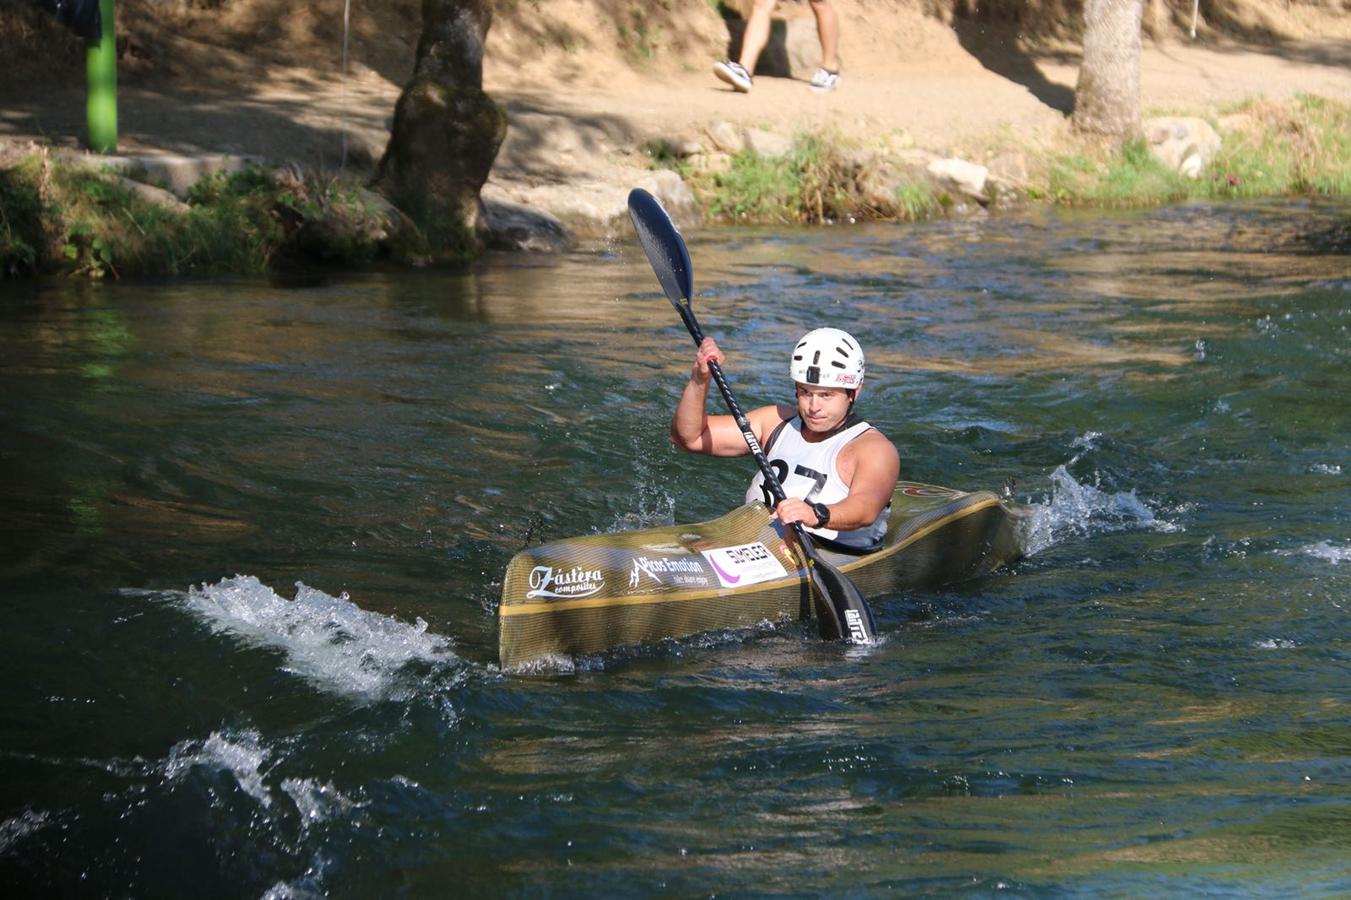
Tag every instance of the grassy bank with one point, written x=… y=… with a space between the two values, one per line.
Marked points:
x=1299 y=147
x=65 y=219
x=60 y=218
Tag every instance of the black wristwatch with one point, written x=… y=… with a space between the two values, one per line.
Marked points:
x=822 y=514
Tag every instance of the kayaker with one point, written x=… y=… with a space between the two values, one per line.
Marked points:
x=837 y=470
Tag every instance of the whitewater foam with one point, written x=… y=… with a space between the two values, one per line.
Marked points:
x=329 y=641
x=242 y=754
x=14 y=830
x=1076 y=508
x=316 y=801
x=1324 y=550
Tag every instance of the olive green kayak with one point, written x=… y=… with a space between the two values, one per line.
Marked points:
x=593 y=593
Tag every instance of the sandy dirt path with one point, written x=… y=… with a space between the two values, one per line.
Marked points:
x=945 y=91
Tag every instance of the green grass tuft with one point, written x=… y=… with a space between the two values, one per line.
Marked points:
x=72 y=220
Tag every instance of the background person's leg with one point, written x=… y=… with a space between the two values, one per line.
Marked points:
x=757 y=32
x=827 y=27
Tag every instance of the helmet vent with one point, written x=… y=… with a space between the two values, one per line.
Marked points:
x=828 y=357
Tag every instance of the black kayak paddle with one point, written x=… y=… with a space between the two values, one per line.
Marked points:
x=841 y=607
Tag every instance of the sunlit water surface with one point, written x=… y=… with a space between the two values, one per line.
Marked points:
x=253 y=536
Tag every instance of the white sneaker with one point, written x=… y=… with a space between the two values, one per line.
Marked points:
x=825 y=81
x=734 y=74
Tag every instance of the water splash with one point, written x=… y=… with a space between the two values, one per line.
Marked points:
x=329 y=641
x=1078 y=509
x=558 y=664
x=241 y=754
x=306 y=888
x=1085 y=442
x=1324 y=550
x=316 y=802
x=14 y=830
x=245 y=757
x=656 y=505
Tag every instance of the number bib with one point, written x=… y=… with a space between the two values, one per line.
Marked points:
x=807 y=471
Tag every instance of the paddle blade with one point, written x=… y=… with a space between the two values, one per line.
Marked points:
x=663 y=245
x=841 y=608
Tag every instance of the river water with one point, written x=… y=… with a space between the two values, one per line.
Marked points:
x=253 y=534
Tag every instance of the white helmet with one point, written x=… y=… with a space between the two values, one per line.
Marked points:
x=827 y=357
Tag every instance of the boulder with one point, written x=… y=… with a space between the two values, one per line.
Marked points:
x=766 y=143
x=726 y=137
x=688 y=148
x=153 y=195
x=585 y=210
x=1183 y=144
x=177 y=174
x=511 y=226
x=877 y=185
x=966 y=178
x=670 y=189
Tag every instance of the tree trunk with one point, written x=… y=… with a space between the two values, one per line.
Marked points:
x=1107 y=98
x=446 y=130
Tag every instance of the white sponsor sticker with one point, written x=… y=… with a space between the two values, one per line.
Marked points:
x=744 y=564
x=545 y=581
x=664 y=569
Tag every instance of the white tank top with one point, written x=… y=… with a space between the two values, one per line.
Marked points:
x=807 y=471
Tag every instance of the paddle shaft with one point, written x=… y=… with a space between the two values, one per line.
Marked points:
x=771 y=477
x=844 y=610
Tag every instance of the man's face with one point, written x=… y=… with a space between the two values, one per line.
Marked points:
x=822 y=408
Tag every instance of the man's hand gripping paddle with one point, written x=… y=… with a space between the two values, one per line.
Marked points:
x=841 y=607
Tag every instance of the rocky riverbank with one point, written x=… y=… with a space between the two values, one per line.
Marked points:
x=935 y=115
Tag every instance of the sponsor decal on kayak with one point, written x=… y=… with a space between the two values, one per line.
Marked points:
x=571 y=583
x=744 y=564
x=664 y=570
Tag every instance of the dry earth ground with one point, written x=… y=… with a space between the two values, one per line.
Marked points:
x=584 y=90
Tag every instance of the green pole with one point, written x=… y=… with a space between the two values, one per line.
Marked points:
x=101 y=81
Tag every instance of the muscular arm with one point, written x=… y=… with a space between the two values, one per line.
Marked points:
x=693 y=429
